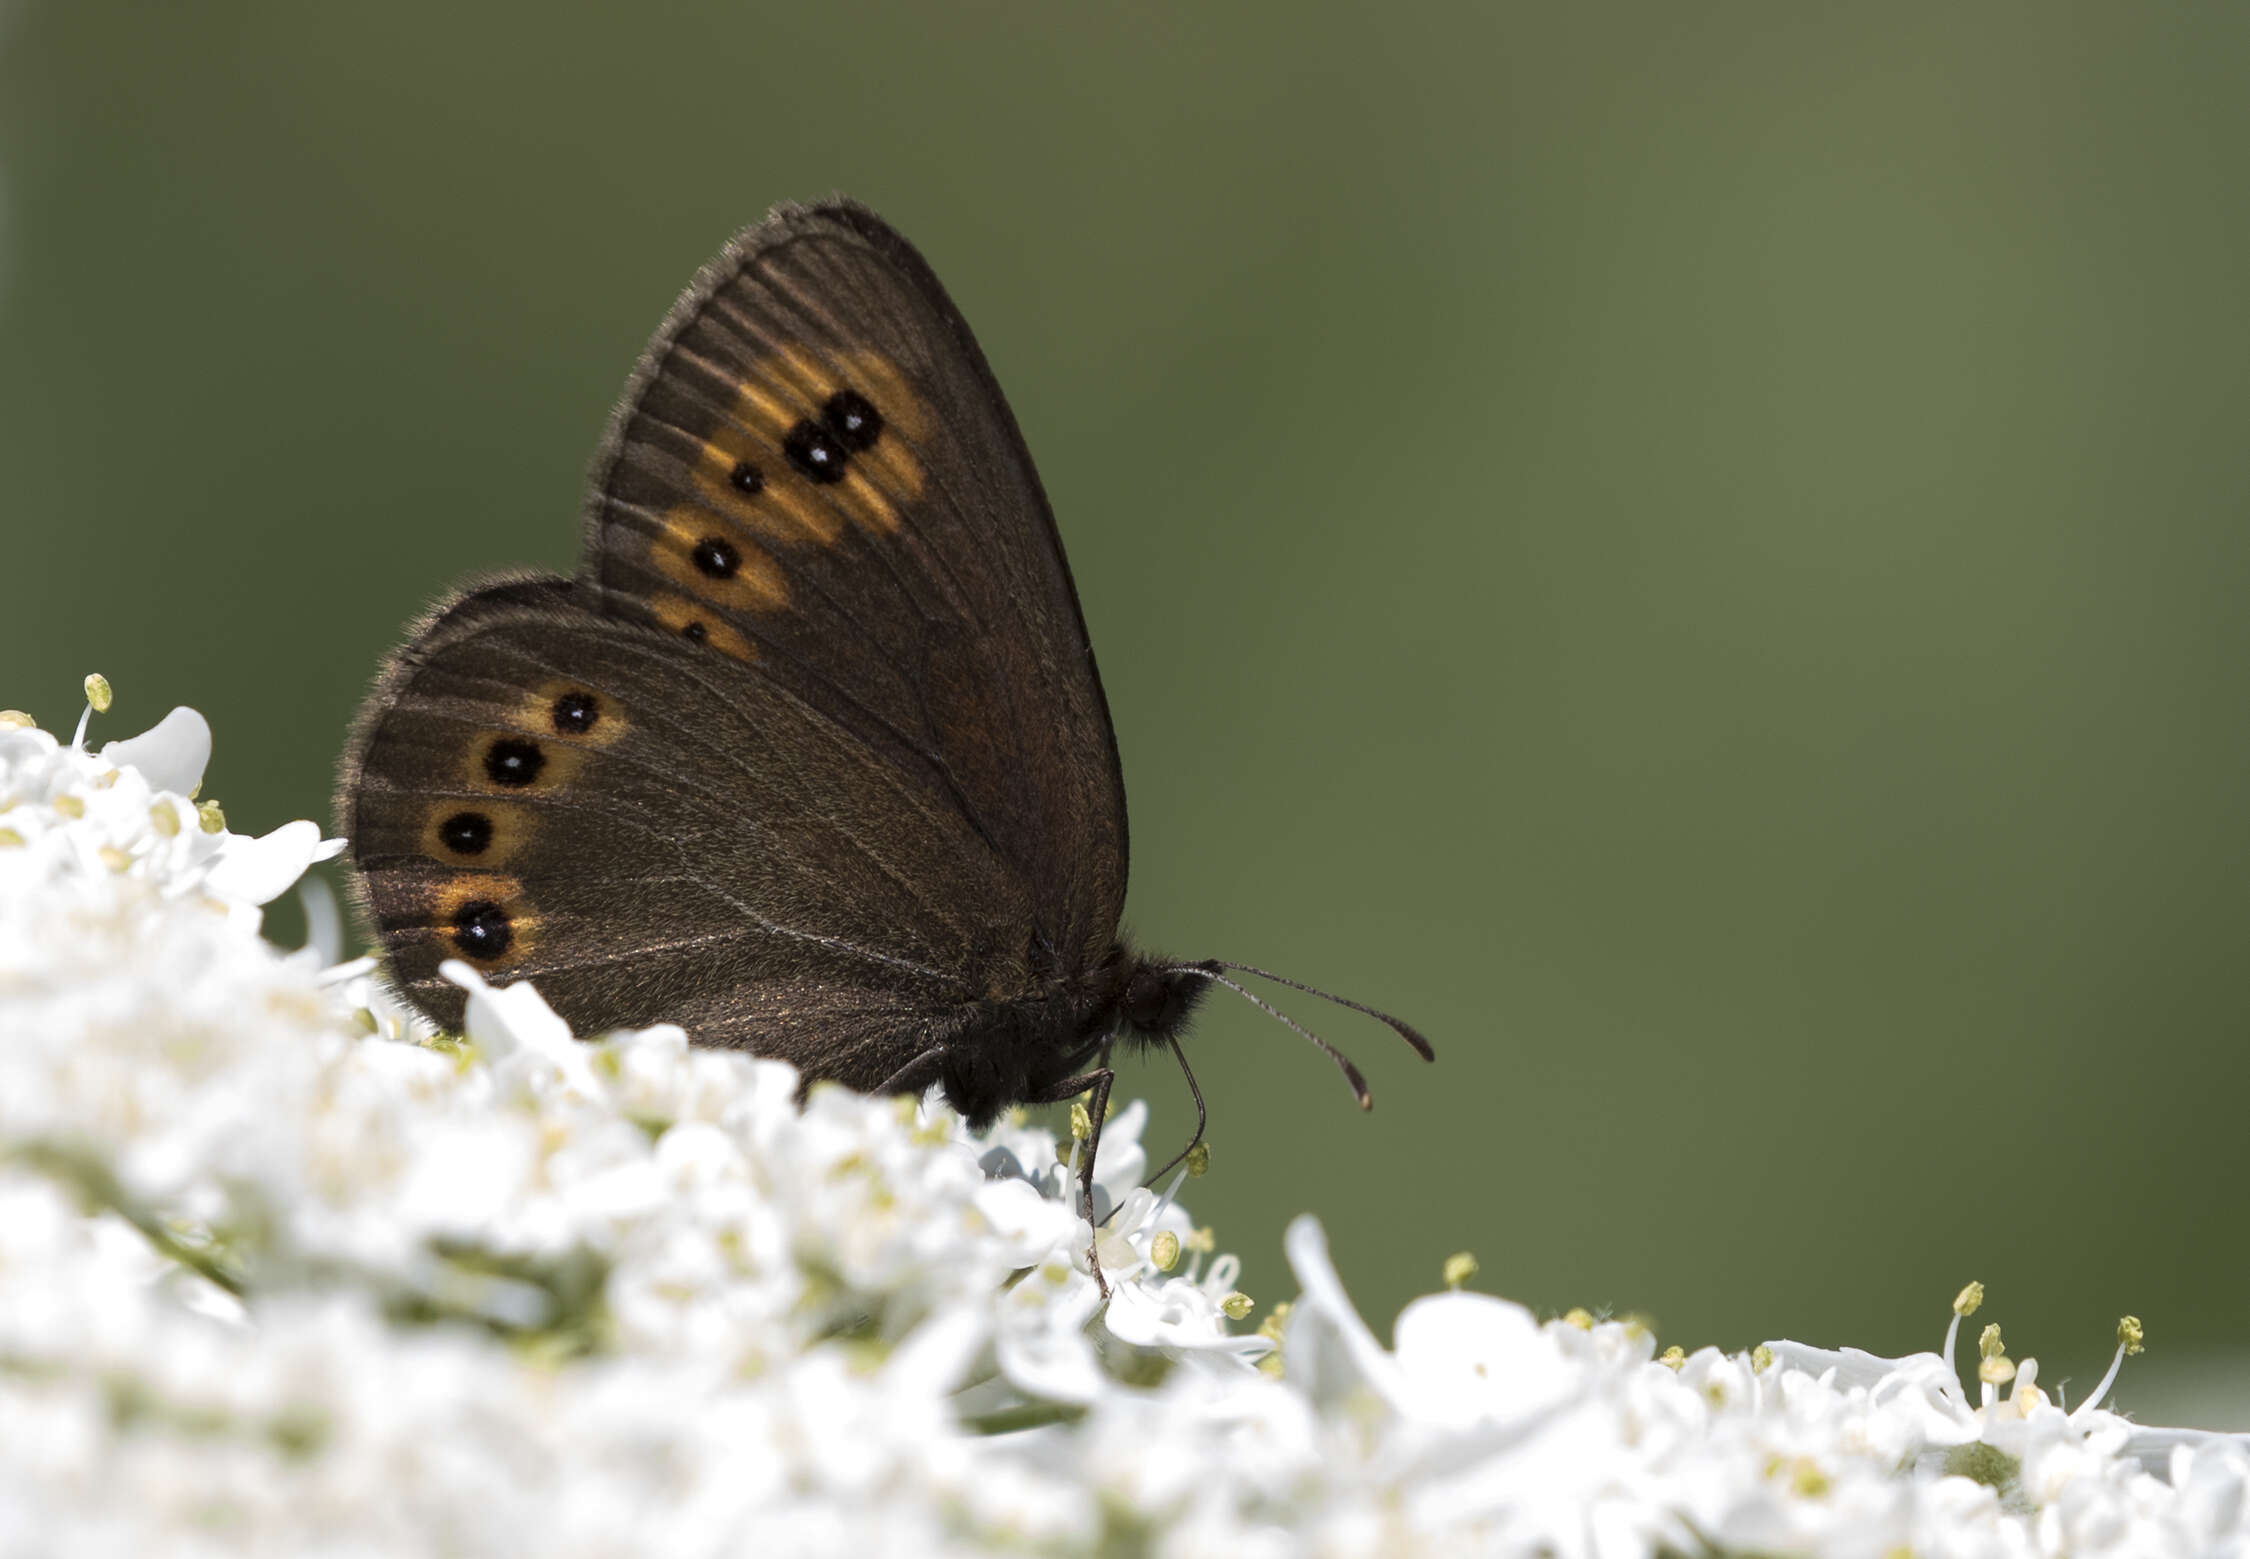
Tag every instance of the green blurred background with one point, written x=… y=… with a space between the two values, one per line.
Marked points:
x=1697 y=552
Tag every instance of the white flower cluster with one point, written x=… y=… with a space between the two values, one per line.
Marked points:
x=283 y=1273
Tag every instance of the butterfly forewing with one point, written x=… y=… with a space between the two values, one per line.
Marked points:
x=815 y=475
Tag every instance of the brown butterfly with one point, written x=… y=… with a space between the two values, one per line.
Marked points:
x=811 y=756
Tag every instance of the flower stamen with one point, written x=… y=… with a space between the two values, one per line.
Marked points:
x=1966 y=1302
x=2128 y=1342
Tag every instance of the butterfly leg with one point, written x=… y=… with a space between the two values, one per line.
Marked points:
x=1097 y=1082
x=916 y=1075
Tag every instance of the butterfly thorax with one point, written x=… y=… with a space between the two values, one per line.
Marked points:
x=1022 y=1049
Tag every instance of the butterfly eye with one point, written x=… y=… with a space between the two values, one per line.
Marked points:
x=513 y=761
x=1148 y=999
x=816 y=452
x=575 y=713
x=481 y=929
x=854 y=421
x=466 y=833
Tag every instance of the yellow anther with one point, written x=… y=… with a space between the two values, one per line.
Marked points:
x=213 y=820
x=1271 y=1326
x=1270 y=1365
x=1198 y=1161
x=1237 y=1305
x=15 y=720
x=1808 y=1481
x=1581 y=1318
x=9 y=838
x=97 y=692
x=1202 y=1241
x=70 y=806
x=113 y=858
x=1164 y=1250
x=1967 y=1301
x=1996 y=1370
x=1761 y=1359
x=1673 y=1358
x=2129 y=1334
x=1459 y=1268
x=1081 y=1121
x=165 y=818
x=1988 y=1342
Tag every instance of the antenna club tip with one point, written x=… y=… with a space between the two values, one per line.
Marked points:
x=1367 y=1101
x=1413 y=1036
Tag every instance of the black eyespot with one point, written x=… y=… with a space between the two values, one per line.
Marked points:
x=695 y=632
x=513 y=761
x=575 y=713
x=854 y=421
x=481 y=929
x=717 y=556
x=816 y=452
x=746 y=478
x=466 y=833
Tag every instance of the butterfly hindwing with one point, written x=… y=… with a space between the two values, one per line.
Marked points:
x=814 y=476
x=655 y=835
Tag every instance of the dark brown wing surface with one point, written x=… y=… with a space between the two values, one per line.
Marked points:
x=652 y=836
x=813 y=753
x=815 y=473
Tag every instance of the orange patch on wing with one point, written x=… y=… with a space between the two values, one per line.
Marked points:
x=785 y=508
x=496 y=888
x=756 y=582
x=506 y=828
x=677 y=614
x=541 y=718
x=558 y=762
x=898 y=465
x=879 y=379
x=791 y=386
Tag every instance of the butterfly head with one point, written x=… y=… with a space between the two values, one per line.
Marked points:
x=1158 y=999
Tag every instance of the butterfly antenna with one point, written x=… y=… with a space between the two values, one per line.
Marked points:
x=1398 y=1026
x=1344 y=1062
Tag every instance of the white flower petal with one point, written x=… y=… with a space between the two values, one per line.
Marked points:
x=1470 y=1358
x=260 y=870
x=171 y=755
x=1327 y=1348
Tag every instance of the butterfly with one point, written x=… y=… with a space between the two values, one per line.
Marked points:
x=810 y=756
